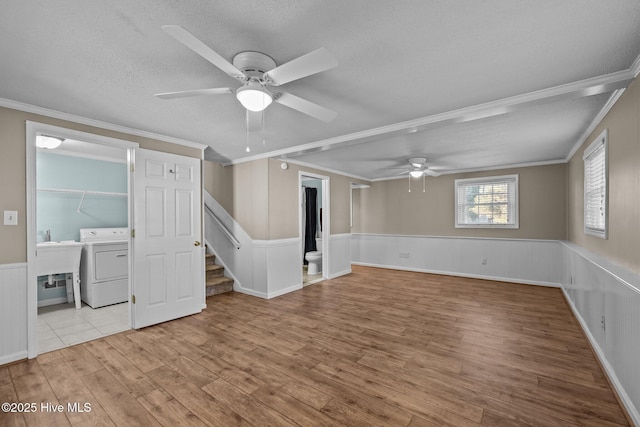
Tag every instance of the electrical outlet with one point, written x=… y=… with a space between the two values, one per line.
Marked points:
x=10 y=217
x=404 y=254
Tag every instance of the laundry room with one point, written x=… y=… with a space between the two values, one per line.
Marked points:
x=82 y=227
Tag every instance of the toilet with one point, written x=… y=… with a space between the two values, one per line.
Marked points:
x=314 y=258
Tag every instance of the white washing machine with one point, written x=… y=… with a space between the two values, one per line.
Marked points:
x=104 y=266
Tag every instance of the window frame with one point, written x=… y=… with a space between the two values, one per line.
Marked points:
x=513 y=178
x=601 y=142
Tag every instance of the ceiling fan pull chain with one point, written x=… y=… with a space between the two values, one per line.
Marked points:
x=264 y=139
x=247 y=133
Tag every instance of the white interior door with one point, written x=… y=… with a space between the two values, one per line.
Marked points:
x=167 y=251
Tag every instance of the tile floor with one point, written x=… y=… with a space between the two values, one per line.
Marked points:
x=61 y=325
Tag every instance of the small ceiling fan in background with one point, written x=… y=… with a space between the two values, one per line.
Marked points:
x=260 y=78
x=418 y=168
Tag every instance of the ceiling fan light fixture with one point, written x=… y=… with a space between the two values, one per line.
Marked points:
x=416 y=173
x=48 y=142
x=254 y=97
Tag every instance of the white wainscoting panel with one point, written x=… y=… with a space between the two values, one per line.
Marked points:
x=514 y=260
x=13 y=312
x=282 y=267
x=339 y=255
x=606 y=300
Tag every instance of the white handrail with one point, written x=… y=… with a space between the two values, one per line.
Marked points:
x=224 y=229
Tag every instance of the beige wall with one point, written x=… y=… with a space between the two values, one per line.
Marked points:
x=284 y=193
x=623 y=243
x=13 y=239
x=218 y=181
x=242 y=190
x=263 y=198
x=388 y=208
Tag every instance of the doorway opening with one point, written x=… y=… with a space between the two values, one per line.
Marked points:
x=78 y=217
x=314 y=227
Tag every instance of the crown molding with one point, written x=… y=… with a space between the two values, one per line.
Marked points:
x=635 y=67
x=595 y=122
x=322 y=168
x=34 y=109
x=483 y=169
x=587 y=87
x=634 y=70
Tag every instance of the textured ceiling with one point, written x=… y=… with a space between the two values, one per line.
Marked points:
x=400 y=63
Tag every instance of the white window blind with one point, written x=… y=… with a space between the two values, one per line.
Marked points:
x=595 y=187
x=488 y=202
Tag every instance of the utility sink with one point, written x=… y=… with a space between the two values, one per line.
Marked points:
x=61 y=257
x=61 y=243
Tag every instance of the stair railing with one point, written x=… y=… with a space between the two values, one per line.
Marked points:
x=224 y=229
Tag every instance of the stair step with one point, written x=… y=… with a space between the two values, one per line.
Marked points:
x=212 y=273
x=216 y=282
x=219 y=285
x=213 y=267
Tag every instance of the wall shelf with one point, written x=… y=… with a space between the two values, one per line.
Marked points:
x=84 y=194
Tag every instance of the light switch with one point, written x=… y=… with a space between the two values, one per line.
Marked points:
x=10 y=217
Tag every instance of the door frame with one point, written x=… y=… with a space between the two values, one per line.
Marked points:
x=326 y=222
x=32 y=130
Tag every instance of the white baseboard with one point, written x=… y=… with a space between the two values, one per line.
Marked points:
x=10 y=358
x=339 y=273
x=456 y=274
x=251 y=292
x=295 y=287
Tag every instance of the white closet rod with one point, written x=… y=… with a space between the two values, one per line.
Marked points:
x=84 y=194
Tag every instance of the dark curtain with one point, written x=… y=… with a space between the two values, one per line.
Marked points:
x=311 y=195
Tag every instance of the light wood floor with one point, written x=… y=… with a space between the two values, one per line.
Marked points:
x=376 y=347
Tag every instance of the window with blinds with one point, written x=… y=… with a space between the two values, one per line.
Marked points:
x=488 y=202
x=595 y=187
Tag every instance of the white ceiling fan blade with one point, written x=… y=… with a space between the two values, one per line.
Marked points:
x=431 y=172
x=313 y=62
x=196 y=92
x=307 y=107
x=193 y=43
x=254 y=120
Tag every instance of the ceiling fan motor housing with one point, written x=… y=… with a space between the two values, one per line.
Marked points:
x=417 y=162
x=253 y=64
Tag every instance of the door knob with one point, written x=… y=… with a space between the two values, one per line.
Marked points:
x=196 y=243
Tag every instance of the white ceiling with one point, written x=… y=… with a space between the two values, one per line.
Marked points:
x=539 y=71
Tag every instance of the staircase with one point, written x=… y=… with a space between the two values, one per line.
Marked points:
x=216 y=282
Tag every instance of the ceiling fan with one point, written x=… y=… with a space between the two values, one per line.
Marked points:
x=260 y=77
x=419 y=168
